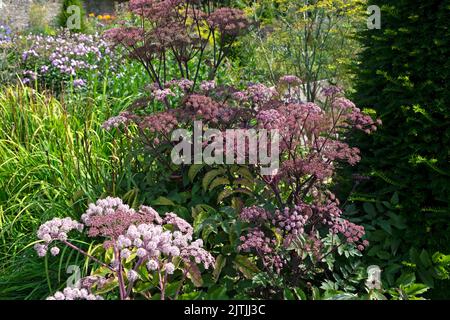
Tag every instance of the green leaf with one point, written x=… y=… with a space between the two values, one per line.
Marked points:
x=315 y=293
x=394 y=199
x=425 y=259
x=397 y=221
x=426 y=277
x=194 y=274
x=219 y=293
x=416 y=289
x=405 y=279
x=207 y=230
x=369 y=208
x=383 y=255
x=343 y=296
x=218 y=182
x=288 y=295
x=377 y=295
x=245 y=172
x=194 y=170
x=300 y=294
x=247 y=267
x=209 y=176
x=110 y=285
x=378 y=235
x=414 y=255
x=385 y=225
x=200 y=217
x=373 y=250
x=228 y=192
x=441 y=258
x=220 y=263
x=244 y=182
x=163 y=201
x=190 y=296
x=261 y=279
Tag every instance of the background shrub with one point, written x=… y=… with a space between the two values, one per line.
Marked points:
x=403 y=74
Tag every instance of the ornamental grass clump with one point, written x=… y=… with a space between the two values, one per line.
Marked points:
x=146 y=249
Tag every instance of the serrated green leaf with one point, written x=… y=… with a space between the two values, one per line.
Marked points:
x=218 y=182
x=416 y=289
x=369 y=208
x=385 y=225
x=247 y=267
x=245 y=172
x=425 y=259
x=288 y=295
x=163 y=201
x=395 y=199
x=405 y=279
x=209 y=176
x=244 y=182
x=194 y=170
x=194 y=274
x=300 y=294
x=218 y=266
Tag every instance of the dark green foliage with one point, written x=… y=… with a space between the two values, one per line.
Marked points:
x=385 y=230
x=66 y=15
x=404 y=74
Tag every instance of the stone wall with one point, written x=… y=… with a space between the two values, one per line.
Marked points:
x=102 y=6
x=16 y=13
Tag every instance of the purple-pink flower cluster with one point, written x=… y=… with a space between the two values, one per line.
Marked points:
x=290 y=80
x=257 y=241
x=162 y=245
x=228 y=21
x=74 y=294
x=66 y=55
x=159 y=246
x=291 y=221
x=55 y=229
x=124 y=118
x=301 y=224
x=254 y=213
x=258 y=94
x=202 y=107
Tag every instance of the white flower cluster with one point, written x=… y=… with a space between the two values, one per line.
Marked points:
x=158 y=246
x=106 y=206
x=111 y=205
x=74 y=294
x=195 y=250
x=178 y=223
x=55 y=229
